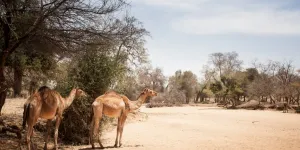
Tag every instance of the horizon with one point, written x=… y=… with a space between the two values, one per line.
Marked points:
x=255 y=29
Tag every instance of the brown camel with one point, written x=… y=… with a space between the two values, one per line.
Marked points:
x=47 y=104
x=114 y=105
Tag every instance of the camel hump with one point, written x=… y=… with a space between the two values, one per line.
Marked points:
x=43 y=88
x=47 y=95
x=111 y=93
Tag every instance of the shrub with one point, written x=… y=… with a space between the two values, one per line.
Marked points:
x=74 y=127
x=297 y=110
x=93 y=73
x=167 y=99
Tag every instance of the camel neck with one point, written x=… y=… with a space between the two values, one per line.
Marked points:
x=139 y=102
x=70 y=98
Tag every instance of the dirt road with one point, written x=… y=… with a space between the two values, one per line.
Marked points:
x=210 y=129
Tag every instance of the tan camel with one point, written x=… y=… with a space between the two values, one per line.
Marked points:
x=47 y=104
x=114 y=105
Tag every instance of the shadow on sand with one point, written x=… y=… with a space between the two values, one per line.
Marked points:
x=109 y=147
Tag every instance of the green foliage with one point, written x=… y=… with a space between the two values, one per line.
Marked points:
x=32 y=60
x=252 y=73
x=76 y=120
x=189 y=83
x=216 y=87
x=128 y=86
x=96 y=72
x=185 y=82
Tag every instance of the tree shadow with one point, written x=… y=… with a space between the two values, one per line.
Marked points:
x=109 y=147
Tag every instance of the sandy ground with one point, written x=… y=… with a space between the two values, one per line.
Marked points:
x=208 y=128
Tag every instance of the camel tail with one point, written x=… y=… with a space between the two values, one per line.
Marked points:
x=25 y=115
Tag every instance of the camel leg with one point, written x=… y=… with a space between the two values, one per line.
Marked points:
x=123 y=119
x=58 y=119
x=96 y=131
x=28 y=135
x=97 y=110
x=118 y=131
x=31 y=121
x=47 y=135
x=92 y=133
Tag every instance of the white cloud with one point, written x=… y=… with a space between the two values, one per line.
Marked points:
x=255 y=17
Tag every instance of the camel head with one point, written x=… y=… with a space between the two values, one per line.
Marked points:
x=149 y=92
x=80 y=93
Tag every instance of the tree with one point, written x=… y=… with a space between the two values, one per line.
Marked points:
x=285 y=77
x=95 y=72
x=67 y=24
x=263 y=85
x=225 y=63
x=223 y=67
x=204 y=84
x=33 y=65
x=186 y=82
x=151 y=77
x=252 y=73
x=128 y=85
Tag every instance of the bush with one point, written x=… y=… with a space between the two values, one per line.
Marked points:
x=93 y=73
x=167 y=99
x=297 y=110
x=75 y=125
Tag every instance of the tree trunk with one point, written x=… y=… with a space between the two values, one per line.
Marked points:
x=18 y=74
x=202 y=98
x=298 y=98
x=197 y=97
x=271 y=100
x=3 y=55
x=286 y=100
x=3 y=88
x=187 y=100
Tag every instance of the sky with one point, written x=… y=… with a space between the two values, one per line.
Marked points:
x=185 y=32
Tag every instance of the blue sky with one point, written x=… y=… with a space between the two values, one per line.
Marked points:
x=185 y=32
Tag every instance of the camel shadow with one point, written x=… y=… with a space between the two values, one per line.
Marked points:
x=110 y=147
